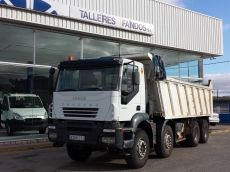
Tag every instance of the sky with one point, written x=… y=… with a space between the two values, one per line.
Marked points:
x=219 y=72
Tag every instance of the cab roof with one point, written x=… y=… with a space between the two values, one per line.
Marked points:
x=96 y=62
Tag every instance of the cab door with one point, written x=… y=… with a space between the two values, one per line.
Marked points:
x=130 y=94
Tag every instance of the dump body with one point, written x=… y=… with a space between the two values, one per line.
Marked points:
x=178 y=99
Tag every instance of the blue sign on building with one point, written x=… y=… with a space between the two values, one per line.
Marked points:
x=40 y=5
x=17 y=3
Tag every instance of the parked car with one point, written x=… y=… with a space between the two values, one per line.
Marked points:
x=22 y=112
x=214 y=119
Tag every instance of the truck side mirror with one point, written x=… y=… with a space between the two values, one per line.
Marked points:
x=51 y=79
x=135 y=78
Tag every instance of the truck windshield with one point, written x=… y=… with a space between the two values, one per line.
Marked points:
x=25 y=102
x=99 y=79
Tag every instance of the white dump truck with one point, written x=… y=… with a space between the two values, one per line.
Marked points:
x=118 y=104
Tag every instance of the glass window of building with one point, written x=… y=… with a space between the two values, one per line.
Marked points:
x=51 y=48
x=93 y=48
x=132 y=49
x=16 y=44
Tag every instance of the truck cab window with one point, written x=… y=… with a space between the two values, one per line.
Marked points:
x=126 y=86
x=68 y=80
x=98 y=79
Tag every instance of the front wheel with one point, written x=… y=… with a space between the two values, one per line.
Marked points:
x=140 y=151
x=164 y=145
x=42 y=131
x=9 y=131
x=213 y=124
x=78 y=153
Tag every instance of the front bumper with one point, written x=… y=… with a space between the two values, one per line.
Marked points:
x=24 y=125
x=214 y=120
x=92 y=132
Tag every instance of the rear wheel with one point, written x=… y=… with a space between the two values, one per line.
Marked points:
x=193 y=138
x=164 y=145
x=204 y=130
x=140 y=151
x=9 y=132
x=213 y=124
x=79 y=153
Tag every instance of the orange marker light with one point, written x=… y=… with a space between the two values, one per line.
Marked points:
x=122 y=130
x=142 y=71
x=70 y=58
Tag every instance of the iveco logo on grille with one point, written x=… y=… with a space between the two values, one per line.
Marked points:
x=79 y=98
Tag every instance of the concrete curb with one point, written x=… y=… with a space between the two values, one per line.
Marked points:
x=25 y=149
x=22 y=142
x=219 y=131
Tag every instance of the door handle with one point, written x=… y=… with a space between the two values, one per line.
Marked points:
x=138 y=108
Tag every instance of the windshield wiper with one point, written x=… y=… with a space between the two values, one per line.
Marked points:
x=70 y=89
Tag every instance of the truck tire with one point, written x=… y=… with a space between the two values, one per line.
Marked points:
x=78 y=153
x=164 y=145
x=9 y=132
x=193 y=138
x=204 y=130
x=42 y=131
x=139 y=153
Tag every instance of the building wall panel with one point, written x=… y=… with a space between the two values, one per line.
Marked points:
x=174 y=27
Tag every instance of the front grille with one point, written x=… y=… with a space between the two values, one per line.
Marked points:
x=82 y=123
x=33 y=120
x=88 y=130
x=80 y=112
x=33 y=124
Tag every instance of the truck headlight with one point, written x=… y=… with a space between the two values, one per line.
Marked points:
x=52 y=135
x=45 y=115
x=108 y=140
x=51 y=127
x=17 y=116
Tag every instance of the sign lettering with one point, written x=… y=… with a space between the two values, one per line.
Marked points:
x=82 y=14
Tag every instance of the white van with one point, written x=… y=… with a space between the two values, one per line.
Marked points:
x=214 y=119
x=23 y=112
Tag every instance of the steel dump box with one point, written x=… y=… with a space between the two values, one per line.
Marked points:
x=174 y=98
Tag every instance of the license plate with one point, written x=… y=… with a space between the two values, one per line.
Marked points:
x=77 y=137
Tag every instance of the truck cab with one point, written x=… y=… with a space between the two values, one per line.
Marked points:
x=22 y=112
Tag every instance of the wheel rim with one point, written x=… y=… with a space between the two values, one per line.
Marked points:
x=141 y=148
x=168 y=141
